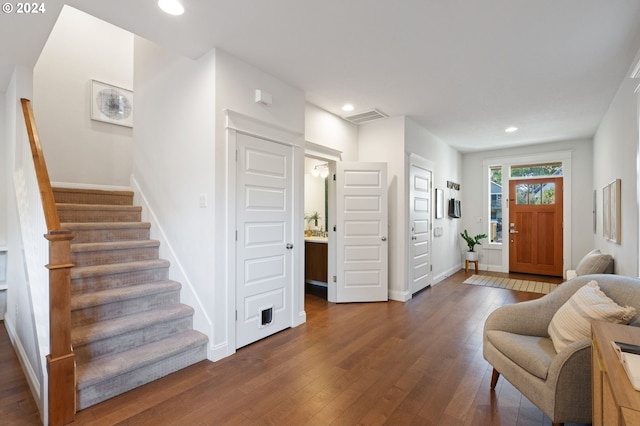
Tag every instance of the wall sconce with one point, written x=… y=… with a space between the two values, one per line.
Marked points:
x=321 y=170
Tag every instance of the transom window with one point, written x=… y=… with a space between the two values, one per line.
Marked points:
x=536 y=170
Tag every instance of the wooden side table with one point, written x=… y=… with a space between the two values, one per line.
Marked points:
x=615 y=401
x=466 y=265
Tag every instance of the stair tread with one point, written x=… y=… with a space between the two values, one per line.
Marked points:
x=83 y=206
x=113 y=245
x=115 y=365
x=114 y=327
x=126 y=192
x=117 y=268
x=103 y=297
x=104 y=225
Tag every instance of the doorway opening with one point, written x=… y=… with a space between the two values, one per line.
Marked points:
x=317 y=175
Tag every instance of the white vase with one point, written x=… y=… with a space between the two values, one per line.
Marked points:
x=472 y=256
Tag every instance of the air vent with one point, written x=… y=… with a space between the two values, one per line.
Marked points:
x=364 y=117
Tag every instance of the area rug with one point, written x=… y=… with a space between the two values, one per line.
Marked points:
x=511 y=284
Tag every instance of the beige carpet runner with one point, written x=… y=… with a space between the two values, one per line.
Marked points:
x=511 y=284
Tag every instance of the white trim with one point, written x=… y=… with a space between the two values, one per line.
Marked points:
x=73 y=185
x=240 y=123
x=419 y=161
x=331 y=156
x=446 y=274
x=321 y=152
x=30 y=375
x=261 y=129
x=400 y=296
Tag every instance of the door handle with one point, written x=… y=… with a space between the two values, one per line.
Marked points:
x=289 y=246
x=513 y=231
x=413 y=237
x=384 y=238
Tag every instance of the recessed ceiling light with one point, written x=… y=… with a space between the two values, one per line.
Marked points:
x=172 y=7
x=511 y=129
x=347 y=107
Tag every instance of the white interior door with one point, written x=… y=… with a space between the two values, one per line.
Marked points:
x=420 y=222
x=361 y=232
x=264 y=252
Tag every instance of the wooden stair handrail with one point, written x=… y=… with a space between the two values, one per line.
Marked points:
x=44 y=184
x=61 y=361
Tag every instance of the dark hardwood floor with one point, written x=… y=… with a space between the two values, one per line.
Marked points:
x=393 y=363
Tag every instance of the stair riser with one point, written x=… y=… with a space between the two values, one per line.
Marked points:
x=112 y=358
x=109 y=257
x=103 y=282
x=124 y=307
x=127 y=215
x=132 y=339
x=102 y=391
x=106 y=235
x=62 y=195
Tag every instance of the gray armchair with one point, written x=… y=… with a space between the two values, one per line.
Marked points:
x=516 y=343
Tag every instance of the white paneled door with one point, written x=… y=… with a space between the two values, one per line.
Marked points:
x=361 y=232
x=420 y=221
x=264 y=249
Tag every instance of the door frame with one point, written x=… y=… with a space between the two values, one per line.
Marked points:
x=419 y=161
x=331 y=156
x=240 y=123
x=565 y=157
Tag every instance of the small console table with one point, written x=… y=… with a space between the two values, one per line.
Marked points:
x=615 y=401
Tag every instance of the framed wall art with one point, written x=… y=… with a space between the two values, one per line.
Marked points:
x=611 y=212
x=111 y=104
x=606 y=207
x=615 y=213
x=439 y=203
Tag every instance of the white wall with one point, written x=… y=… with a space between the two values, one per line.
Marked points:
x=26 y=276
x=3 y=205
x=181 y=154
x=581 y=220
x=173 y=166
x=236 y=82
x=3 y=172
x=78 y=149
x=383 y=141
x=447 y=167
x=615 y=152
x=331 y=131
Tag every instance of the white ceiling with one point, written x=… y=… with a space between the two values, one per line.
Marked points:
x=464 y=69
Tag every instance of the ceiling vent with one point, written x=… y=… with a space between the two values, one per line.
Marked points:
x=365 y=117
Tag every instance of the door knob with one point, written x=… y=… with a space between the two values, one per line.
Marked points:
x=413 y=237
x=384 y=238
x=513 y=231
x=289 y=246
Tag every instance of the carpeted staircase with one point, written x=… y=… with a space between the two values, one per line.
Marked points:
x=128 y=325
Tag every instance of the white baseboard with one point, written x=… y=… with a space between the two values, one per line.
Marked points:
x=29 y=373
x=74 y=185
x=399 y=296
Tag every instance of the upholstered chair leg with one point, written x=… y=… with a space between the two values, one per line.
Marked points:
x=494 y=378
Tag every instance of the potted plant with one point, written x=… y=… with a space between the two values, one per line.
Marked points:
x=315 y=217
x=471 y=244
